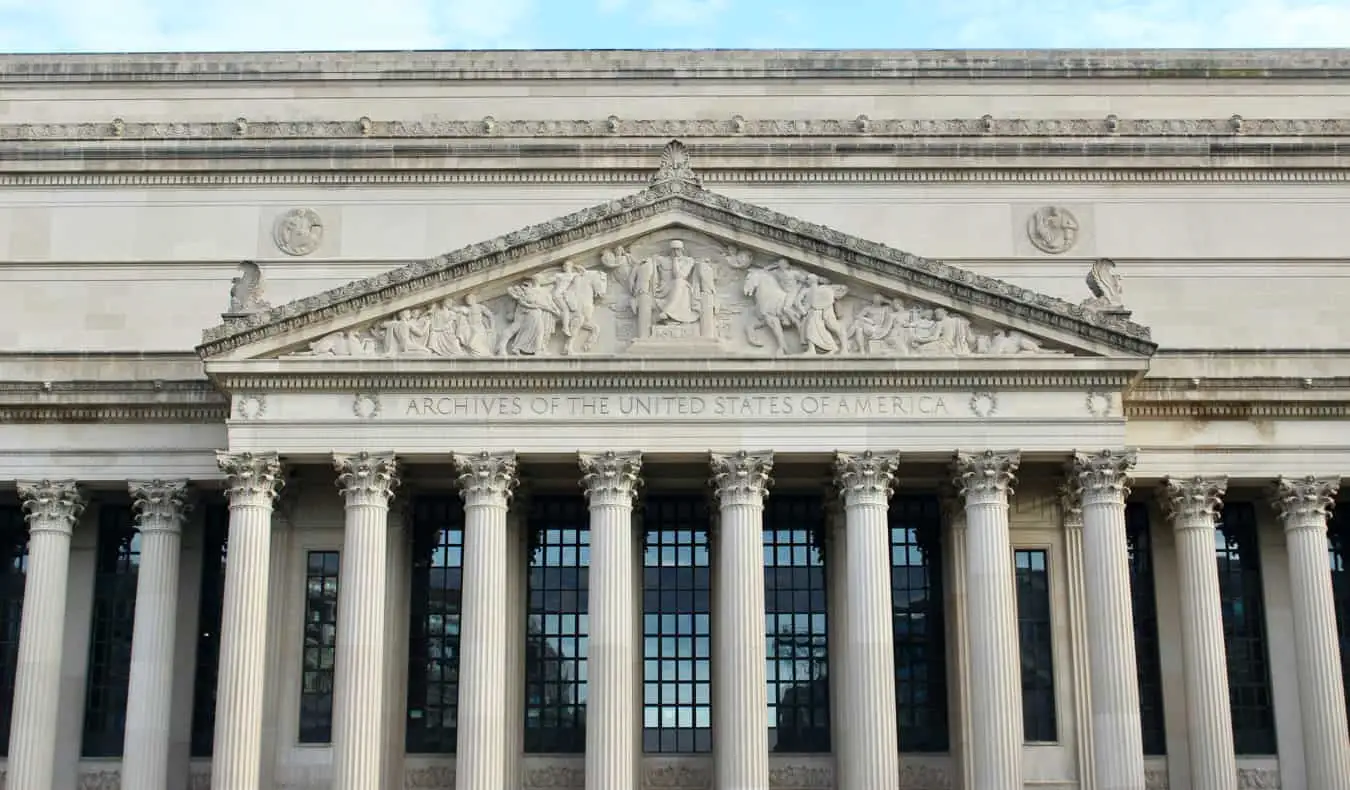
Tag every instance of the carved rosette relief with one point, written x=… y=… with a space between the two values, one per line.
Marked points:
x=1304 y=503
x=159 y=505
x=298 y=231
x=99 y=780
x=430 y=777
x=673 y=292
x=610 y=479
x=1258 y=779
x=1052 y=229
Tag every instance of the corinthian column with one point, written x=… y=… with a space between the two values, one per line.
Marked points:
x=160 y=507
x=252 y=482
x=740 y=703
x=611 y=481
x=1302 y=505
x=1192 y=505
x=367 y=482
x=869 y=755
x=486 y=481
x=984 y=481
x=53 y=507
x=1102 y=482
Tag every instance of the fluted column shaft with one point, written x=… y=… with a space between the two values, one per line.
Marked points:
x=160 y=508
x=1303 y=505
x=869 y=754
x=252 y=483
x=958 y=652
x=486 y=482
x=1101 y=482
x=612 y=743
x=1192 y=505
x=53 y=507
x=740 y=704
x=985 y=480
x=367 y=482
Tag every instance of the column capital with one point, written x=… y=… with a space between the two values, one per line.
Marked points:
x=1193 y=502
x=610 y=478
x=1102 y=477
x=1304 y=502
x=251 y=479
x=52 y=505
x=160 y=505
x=741 y=478
x=366 y=478
x=866 y=477
x=1070 y=494
x=487 y=478
x=987 y=476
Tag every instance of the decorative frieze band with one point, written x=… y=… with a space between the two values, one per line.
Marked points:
x=489 y=127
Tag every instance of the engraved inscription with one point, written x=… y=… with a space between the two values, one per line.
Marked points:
x=665 y=407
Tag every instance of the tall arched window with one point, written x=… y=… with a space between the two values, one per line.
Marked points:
x=919 y=621
x=433 y=630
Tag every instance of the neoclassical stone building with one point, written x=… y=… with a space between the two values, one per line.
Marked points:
x=674 y=420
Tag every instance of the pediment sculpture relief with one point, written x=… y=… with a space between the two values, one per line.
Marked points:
x=676 y=292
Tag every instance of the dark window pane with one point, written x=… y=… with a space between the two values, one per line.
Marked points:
x=216 y=520
x=795 y=616
x=13 y=570
x=320 y=647
x=676 y=626
x=1339 y=540
x=920 y=628
x=433 y=629
x=1140 y=547
x=1036 y=629
x=1244 y=629
x=114 y=616
x=555 y=646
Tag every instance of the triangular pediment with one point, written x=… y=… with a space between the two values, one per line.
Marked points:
x=675 y=270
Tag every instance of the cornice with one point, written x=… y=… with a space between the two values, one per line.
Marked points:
x=667 y=65
x=770 y=173
x=665 y=197
x=735 y=127
x=127 y=401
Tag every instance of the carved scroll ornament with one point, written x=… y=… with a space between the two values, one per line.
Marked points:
x=664 y=294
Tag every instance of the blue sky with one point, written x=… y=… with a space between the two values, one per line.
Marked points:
x=160 y=25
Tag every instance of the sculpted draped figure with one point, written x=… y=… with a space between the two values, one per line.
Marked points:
x=668 y=292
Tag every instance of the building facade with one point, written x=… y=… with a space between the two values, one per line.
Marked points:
x=675 y=420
